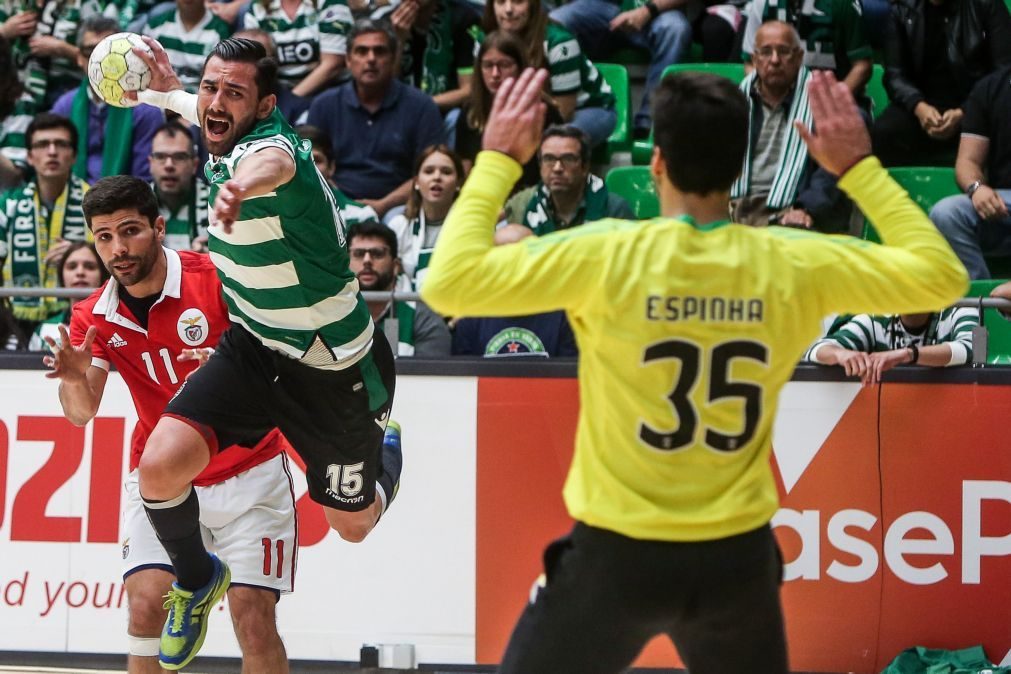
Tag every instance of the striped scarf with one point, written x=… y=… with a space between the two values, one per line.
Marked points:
x=793 y=157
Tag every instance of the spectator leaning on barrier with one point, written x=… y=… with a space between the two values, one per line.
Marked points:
x=181 y=192
x=352 y=212
x=779 y=182
x=419 y=330
x=868 y=346
x=378 y=125
x=568 y=194
x=978 y=222
x=188 y=32
x=78 y=267
x=40 y=219
x=937 y=51
x=111 y=141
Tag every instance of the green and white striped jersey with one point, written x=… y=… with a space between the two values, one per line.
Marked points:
x=12 y=131
x=284 y=266
x=187 y=49
x=319 y=27
x=571 y=72
x=871 y=334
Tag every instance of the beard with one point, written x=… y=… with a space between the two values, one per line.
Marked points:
x=141 y=269
x=384 y=281
x=225 y=141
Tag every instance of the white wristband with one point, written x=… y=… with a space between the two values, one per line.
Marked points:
x=178 y=100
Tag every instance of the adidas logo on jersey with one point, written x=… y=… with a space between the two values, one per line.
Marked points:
x=116 y=341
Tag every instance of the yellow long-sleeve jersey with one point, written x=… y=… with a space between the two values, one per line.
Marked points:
x=686 y=335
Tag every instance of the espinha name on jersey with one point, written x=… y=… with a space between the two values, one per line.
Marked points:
x=719 y=309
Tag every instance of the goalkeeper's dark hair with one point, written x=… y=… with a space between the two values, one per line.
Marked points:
x=244 y=50
x=700 y=124
x=116 y=193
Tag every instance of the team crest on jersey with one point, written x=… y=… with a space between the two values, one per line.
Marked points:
x=192 y=327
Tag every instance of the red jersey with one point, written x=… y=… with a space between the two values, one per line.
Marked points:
x=190 y=313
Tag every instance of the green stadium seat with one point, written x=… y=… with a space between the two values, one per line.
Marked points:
x=876 y=90
x=635 y=185
x=926 y=185
x=620 y=139
x=642 y=150
x=999 y=328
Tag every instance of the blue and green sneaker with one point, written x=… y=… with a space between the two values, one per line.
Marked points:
x=186 y=626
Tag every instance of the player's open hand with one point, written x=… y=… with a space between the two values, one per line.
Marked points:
x=517 y=116
x=163 y=77
x=201 y=356
x=839 y=138
x=69 y=363
x=227 y=204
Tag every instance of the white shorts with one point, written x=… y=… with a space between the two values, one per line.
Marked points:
x=247 y=520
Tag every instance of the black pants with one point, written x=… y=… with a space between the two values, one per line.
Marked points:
x=607 y=595
x=899 y=140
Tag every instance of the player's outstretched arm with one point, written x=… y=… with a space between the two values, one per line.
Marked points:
x=468 y=274
x=258 y=174
x=915 y=270
x=165 y=90
x=81 y=384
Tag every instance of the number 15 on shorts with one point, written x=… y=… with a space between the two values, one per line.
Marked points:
x=346 y=479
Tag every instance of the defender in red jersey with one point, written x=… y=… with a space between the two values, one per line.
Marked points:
x=156 y=321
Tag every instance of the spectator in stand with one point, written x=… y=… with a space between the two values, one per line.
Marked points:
x=938 y=50
x=15 y=114
x=290 y=105
x=188 y=32
x=499 y=57
x=79 y=267
x=310 y=37
x=780 y=183
x=978 y=221
x=43 y=34
x=583 y=97
x=181 y=193
x=51 y=205
x=868 y=346
x=352 y=212
x=378 y=125
x=438 y=50
x=417 y=330
x=661 y=26
x=438 y=177
x=568 y=194
x=832 y=32
x=112 y=141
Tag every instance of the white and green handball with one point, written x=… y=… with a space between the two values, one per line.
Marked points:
x=114 y=69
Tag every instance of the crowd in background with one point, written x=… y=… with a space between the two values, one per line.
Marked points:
x=393 y=96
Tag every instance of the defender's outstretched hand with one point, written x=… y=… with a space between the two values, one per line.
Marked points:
x=227 y=204
x=839 y=139
x=517 y=116
x=69 y=363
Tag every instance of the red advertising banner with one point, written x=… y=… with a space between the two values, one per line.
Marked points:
x=895 y=522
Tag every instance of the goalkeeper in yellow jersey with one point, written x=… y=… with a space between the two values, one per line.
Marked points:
x=688 y=327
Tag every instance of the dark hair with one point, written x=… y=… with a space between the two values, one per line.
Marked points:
x=414 y=204
x=366 y=26
x=97 y=24
x=173 y=128
x=377 y=230
x=47 y=120
x=248 y=33
x=10 y=83
x=532 y=37
x=569 y=131
x=244 y=50
x=480 y=96
x=73 y=248
x=700 y=124
x=318 y=138
x=115 y=193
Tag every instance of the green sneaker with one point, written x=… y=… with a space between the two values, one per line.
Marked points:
x=186 y=626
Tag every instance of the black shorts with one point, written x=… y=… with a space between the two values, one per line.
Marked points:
x=335 y=419
x=608 y=595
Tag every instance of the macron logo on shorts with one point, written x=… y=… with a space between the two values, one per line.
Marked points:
x=116 y=341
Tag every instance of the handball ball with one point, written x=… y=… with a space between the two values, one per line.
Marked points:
x=114 y=69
